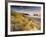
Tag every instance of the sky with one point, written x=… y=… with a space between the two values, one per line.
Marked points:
x=26 y=9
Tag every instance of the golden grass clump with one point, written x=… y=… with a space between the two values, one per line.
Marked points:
x=22 y=23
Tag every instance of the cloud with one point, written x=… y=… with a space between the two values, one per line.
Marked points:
x=26 y=9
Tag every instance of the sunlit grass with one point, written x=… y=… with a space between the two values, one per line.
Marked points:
x=20 y=22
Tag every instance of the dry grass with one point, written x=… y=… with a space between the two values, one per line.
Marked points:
x=20 y=22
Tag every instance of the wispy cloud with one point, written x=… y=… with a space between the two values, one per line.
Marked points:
x=26 y=9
